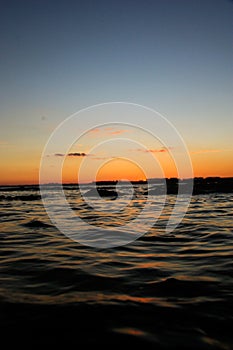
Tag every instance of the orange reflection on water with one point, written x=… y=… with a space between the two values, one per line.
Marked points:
x=137 y=332
x=130 y=331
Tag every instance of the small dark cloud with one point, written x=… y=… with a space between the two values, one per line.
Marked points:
x=72 y=154
x=76 y=154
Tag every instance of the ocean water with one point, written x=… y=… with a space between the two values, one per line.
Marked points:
x=163 y=290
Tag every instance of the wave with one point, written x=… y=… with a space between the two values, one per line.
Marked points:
x=36 y=224
x=170 y=291
x=181 y=288
x=30 y=197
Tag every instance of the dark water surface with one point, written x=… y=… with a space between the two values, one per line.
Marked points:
x=164 y=291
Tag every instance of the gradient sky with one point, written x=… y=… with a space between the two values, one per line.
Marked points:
x=57 y=57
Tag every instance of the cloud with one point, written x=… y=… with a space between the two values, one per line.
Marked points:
x=72 y=154
x=77 y=154
x=118 y=132
x=94 y=131
x=59 y=155
x=162 y=150
x=153 y=150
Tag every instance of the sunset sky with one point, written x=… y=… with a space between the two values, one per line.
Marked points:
x=57 y=57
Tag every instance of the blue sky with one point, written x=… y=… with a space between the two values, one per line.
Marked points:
x=171 y=55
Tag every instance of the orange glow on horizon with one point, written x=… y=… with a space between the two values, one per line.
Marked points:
x=19 y=168
x=119 y=169
x=213 y=164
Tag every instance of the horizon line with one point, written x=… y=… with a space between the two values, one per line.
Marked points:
x=115 y=181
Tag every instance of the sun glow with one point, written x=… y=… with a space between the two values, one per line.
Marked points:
x=120 y=169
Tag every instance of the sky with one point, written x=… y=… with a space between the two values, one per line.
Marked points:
x=57 y=57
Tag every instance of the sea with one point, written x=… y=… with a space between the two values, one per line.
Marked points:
x=163 y=290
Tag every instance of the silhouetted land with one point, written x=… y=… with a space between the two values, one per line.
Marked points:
x=200 y=186
x=212 y=185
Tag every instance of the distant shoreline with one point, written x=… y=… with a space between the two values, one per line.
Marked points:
x=200 y=185
x=113 y=182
